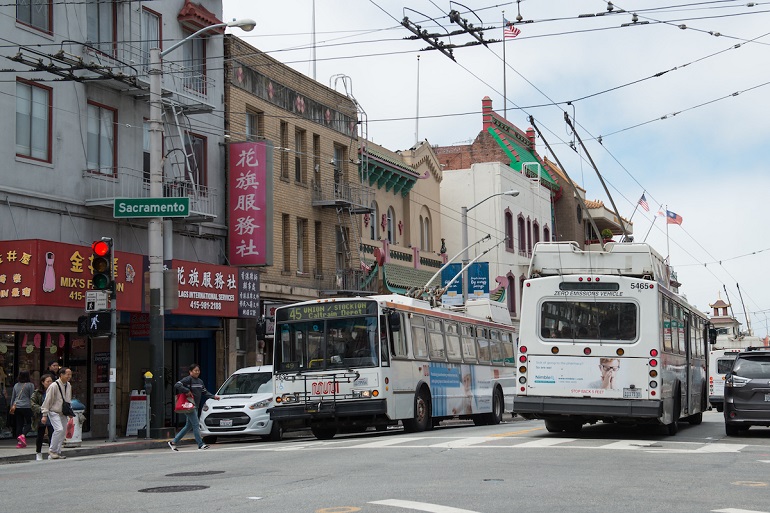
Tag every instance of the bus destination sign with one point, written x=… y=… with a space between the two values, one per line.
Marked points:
x=326 y=311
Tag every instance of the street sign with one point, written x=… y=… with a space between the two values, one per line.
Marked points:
x=151 y=207
x=96 y=300
x=95 y=323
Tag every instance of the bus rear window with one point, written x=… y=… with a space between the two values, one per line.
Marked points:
x=724 y=365
x=588 y=320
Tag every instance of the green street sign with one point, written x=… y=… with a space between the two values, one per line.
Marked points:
x=151 y=207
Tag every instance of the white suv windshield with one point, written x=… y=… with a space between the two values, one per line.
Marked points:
x=248 y=383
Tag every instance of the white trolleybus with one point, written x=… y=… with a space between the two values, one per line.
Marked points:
x=604 y=338
x=343 y=365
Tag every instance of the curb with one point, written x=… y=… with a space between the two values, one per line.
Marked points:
x=107 y=448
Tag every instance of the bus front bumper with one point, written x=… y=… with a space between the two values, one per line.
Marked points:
x=548 y=407
x=330 y=409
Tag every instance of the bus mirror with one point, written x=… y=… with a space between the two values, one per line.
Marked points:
x=712 y=336
x=394 y=319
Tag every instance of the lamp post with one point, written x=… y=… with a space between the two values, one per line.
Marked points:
x=464 y=218
x=154 y=228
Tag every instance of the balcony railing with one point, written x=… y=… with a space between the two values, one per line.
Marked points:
x=345 y=280
x=328 y=193
x=103 y=186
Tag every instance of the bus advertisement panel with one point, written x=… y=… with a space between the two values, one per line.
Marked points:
x=580 y=376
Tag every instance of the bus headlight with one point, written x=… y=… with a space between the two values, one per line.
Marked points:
x=362 y=394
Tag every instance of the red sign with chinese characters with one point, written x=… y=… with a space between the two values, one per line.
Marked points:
x=250 y=183
x=206 y=289
x=45 y=273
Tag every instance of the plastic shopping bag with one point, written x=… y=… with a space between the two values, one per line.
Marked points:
x=183 y=404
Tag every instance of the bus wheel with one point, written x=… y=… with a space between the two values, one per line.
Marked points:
x=673 y=428
x=480 y=420
x=696 y=419
x=554 y=426
x=422 y=417
x=323 y=432
x=497 y=408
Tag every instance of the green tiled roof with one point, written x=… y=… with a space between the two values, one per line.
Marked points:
x=519 y=155
x=399 y=278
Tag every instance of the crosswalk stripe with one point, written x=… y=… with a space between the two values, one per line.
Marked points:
x=421 y=506
x=720 y=448
x=463 y=442
x=734 y=510
x=389 y=441
x=544 y=442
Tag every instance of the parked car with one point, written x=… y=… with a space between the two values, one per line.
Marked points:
x=747 y=391
x=242 y=407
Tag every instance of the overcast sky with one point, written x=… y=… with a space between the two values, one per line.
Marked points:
x=706 y=159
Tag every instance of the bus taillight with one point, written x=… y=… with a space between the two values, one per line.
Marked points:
x=653 y=373
x=653 y=363
x=523 y=349
x=620 y=351
x=653 y=352
x=523 y=359
x=587 y=351
x=653 y=384
x=555 y=350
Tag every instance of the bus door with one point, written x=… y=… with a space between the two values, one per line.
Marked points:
x=690 y=361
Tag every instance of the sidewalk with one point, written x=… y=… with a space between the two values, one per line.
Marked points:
x=88 y=447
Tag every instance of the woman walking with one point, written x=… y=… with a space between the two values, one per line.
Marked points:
x=195 y=390
x=21 y=406
x=38 y=397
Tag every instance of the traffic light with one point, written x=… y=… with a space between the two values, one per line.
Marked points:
x=102 y=264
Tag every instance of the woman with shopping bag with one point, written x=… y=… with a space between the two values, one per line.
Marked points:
x=191 y=392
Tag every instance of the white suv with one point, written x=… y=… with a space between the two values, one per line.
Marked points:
x=242 y=407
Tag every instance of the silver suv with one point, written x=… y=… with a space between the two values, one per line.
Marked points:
x=747 y=391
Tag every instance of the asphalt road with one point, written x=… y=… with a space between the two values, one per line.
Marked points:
x=459 y=468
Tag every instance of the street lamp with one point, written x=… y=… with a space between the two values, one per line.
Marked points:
x=154 y=228
x=464 y=214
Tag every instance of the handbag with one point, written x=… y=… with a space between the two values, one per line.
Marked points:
x=183 y=404
x=66 y=408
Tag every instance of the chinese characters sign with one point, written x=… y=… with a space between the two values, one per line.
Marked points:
x=248 y=293
x=46 y=273
x=206 y=289
x=250 y=203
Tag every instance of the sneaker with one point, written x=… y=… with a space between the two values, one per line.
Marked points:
x=203 y=447
x=38 y=456
x=53 y=456
x=61 y=456
x=173 y=446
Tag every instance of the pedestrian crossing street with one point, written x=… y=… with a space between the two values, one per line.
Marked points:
x=495 y=442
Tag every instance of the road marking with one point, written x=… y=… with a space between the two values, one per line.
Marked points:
x=463 y=442
x=633 y=445
x=544 y=442
x=389 y=441
x=720 y=448
x=421 y=506
x=751 y=484
x=516 y=433
x=733 y=510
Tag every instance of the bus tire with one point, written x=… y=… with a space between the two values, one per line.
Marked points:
x=696 y=419
x=496 y=416
x=422 y=415
x=554 y=426
x=673 y=428
x=323 y=432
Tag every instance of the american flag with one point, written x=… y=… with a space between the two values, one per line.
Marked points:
x=509 y=31
x=643 y=203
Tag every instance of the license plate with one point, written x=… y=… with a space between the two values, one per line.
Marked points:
x=767 y=397
x=226 y=423
x=632 y=393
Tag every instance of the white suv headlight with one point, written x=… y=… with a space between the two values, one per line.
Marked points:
x=261 y=404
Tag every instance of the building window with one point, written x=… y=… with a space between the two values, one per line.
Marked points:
x=546 y=234
x=425 y=234
x=151 y=34
x=284 y=150
x=36 y=14
x=195 y=149
x=511 y=294
x=33 y=120
x=299 y=156
x=535 y=233
x=391 y=226
x=286 y=232
x=339 y=170
x=194 y=55
x=301 y=244
x=522 y=236
x=255 y=125
x=529 y=237
x=317 y=161
x=101 y=149
x=508 y=230
x=100 y=21
x=374 y=228
x=319 y=258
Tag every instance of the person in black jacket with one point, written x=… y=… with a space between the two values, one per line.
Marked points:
x=196 y=392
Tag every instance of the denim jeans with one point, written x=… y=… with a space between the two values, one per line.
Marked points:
x=191 y=422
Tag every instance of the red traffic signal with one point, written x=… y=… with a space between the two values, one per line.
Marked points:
x=100 y=248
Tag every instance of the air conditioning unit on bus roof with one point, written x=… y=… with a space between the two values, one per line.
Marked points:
x=488 y=310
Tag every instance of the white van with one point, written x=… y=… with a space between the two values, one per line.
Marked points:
x=720 y=363
x=242 y=407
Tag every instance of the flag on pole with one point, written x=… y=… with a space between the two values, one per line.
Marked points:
x=673 y=218
x=643 y=203
x=509 y=31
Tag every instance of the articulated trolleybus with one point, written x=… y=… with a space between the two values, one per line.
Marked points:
x=603 y=337
x=345 y=364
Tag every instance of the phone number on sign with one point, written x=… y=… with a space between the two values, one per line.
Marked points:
x=205 y=305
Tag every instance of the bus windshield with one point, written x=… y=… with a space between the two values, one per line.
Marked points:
x=588 y=320
x=327 y=344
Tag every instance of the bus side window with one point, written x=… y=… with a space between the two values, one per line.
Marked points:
x=399 y=347
x=509 y=356
x=483 y=344
x=436 y=339
x=419 y=338
x=452 y=341
x=496 y=350
x=469 y=345
x=384 y=342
